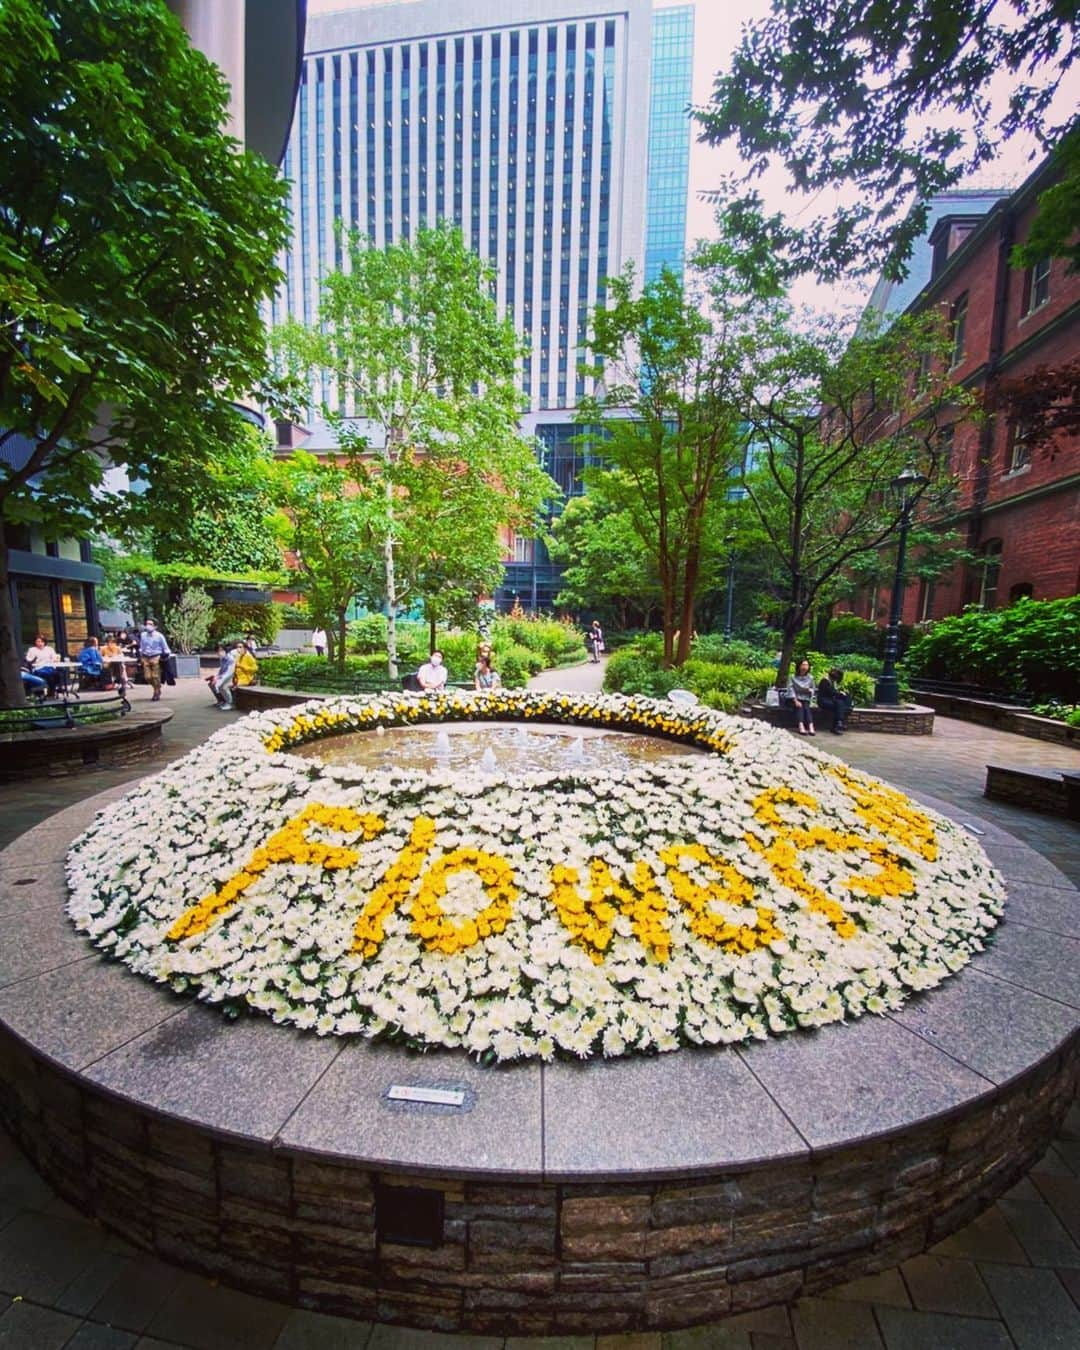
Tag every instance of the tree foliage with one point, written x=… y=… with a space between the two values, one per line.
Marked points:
x=893 y=99
x=831 y=422
x=332 y=527
x=1044 y=404
x=137 y=243
x=224 y=520
x=607 y=569
x=410 y=340
x=668 y=408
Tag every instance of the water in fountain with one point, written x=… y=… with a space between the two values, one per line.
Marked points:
x=492 y=746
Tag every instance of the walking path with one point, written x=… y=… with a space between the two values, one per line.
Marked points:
x=1009 y=1281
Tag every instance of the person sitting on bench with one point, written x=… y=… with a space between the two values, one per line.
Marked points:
x=831 y=698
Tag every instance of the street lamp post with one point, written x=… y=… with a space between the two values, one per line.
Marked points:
x=729 y=544
x=906 y=485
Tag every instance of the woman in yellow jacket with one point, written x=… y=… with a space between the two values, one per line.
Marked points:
x=247 y=668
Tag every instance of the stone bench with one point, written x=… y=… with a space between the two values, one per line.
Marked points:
x=1053 y=791
x=906 y=720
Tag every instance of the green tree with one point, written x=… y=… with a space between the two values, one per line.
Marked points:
x=224 y=520
x=831 y=421
x=332 y=525
x=411 y=342
x=137 y=243
x=894 y=100
x=606 y=565
x=668 y=408
x=448 y=554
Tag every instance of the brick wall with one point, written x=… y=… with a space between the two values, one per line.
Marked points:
x=1032 y=509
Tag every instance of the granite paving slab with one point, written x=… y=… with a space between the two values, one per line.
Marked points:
x=1038 y=1311
x=347 y=1113
x=78 y=1013
x=38 y=940
x=1042 y=962
x=994 y=1027
x=1055 y=908
x=673 y=1114
x=242 y=1078
x=906 y=1329
x=1016 y=862
x=867 y=1078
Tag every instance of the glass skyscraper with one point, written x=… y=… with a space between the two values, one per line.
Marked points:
x=528 y=126
x=669 y=139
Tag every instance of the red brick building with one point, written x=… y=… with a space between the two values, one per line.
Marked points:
x=1018 y=506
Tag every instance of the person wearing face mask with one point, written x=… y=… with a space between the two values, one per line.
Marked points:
x=432 y=674
x=153 y=651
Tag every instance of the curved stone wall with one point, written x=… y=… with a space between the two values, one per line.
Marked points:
x=637 y=1194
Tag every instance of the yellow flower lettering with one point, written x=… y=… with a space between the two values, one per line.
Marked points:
x=290 y=844
x=731 y=888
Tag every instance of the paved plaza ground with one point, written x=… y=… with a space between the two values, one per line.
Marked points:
x=1009 y=1281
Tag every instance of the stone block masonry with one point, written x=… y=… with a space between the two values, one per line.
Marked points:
x=526 y=1257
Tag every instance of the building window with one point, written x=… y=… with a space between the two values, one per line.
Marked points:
x=958 y=327
x=989 y=571
x=946 y=445
x=1023 y=590
x=926 y=601
x=35 y=605
x=1039 y=284
x=523 y=549
x=1019 y=448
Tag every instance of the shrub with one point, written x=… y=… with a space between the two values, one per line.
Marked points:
x=1032 y=646
x=367 y=634
x=860 y=687
x=188 y=622
x=316 y=675
x=848 y=633
x=632 y=671
x=738 y=682
x=731 y=651
x=716 y=698
x=557 y=642
x=1069 y=713
x=233 y=619
x=860 y=661
x=296 y=616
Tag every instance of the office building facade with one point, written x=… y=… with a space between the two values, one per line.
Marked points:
x=526 y=124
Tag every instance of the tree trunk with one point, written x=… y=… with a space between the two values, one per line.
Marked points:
x=686 y=620
x=391 y=582
x=431 y=630
x=822 y=619
x=12 y=694
x=341 y=631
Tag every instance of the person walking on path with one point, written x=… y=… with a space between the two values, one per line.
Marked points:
x=318 y=641
x=153 y=652
x=594 y=640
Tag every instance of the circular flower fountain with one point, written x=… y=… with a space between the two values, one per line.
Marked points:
x=581 y=901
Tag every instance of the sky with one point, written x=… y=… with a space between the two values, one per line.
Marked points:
x=717 y=25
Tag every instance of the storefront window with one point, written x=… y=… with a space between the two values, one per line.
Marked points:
x=73 y=608
x=34 y=599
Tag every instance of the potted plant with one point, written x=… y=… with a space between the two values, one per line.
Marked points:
x=187 y=626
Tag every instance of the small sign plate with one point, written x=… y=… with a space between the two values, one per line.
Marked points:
x=431 y=1096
